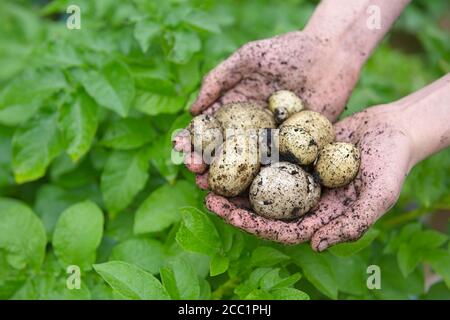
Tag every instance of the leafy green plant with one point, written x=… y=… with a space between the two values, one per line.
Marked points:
x=86 y=177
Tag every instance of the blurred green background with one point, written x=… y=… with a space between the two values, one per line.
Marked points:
x=86 y=176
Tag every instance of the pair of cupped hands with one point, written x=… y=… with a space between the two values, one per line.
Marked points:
x=314 y=70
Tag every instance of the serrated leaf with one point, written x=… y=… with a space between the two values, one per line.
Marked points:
x=22 y=235
x=144 y=32
x=128 y=133
x=78 y=234
x=162 y=207
x=350 y=248
x=35 y=145
x=78 y=122
x=112 y=87
x=131 y=281
x=197 y=233
x=125 y=174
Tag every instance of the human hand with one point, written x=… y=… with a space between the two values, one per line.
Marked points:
x=345 y=213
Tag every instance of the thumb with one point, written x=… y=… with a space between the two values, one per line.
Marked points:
x=356 y=220
x=222 y=78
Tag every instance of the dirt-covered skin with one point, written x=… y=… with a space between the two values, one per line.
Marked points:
x=320 y=128
x=343 y=214
x=283 y=191
x=337 y=164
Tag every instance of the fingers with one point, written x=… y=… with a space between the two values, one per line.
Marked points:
x=201 y=180
x=284 y=232
x=371 y=205
x=220 y=79
x=194 y=162
x=182 y=141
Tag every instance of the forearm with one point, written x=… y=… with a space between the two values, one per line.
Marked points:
x=425 y=116
x=351 y=24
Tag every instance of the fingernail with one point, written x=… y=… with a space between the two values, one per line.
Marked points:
x=322 y=246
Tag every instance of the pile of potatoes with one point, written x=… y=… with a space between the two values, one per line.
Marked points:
x=304 y=140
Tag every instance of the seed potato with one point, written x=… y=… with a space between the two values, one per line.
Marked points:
x=297 y=145
x=337 y=164
x=235 y=165
x=283 y=104
x=206 y=132
x=244 y=115
x=320 y=128
x=283 y=191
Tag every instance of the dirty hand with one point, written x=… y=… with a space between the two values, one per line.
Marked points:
x=392 y=138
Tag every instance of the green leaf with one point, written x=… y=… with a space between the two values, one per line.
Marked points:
x=161 y=208
x=289 y=294
x=128 y=133
x=185 y=44
x=112 y=87
x=131 y=281
x=78 y=234
x=180 y=279
x=440 y=263
x=408 y=258
x=147 y=254
x=272 y=280
x=259 y=295
x=350 y=273
x=144 y=32
x=35 y=145
x=316 y=269
x=219 y=264
x=31 y=87
x=153 y=104
x=203 y=21
x=125 y=174
x=350 y=248
x=22 y=235
x=267 y=256
x=404 y=235
x=160 y=153
x=78 y=122
x=197 y=233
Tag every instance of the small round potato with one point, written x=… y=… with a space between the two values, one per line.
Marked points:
x=283 y=104
x=244 y=116
x=297 y=145
x=235 y=165
x=206 y=132
x=316 y=124
x=283 y=191
x=337 y=164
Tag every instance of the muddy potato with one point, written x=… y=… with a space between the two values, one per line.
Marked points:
x=206 y=132
x=283 y=104
x=235 y=165
x=337 y=164
x=244 y=115
x=320 y=128
x=283 y=191
x=297 y=145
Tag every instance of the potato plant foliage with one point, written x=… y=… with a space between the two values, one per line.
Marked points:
x=86 y=118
